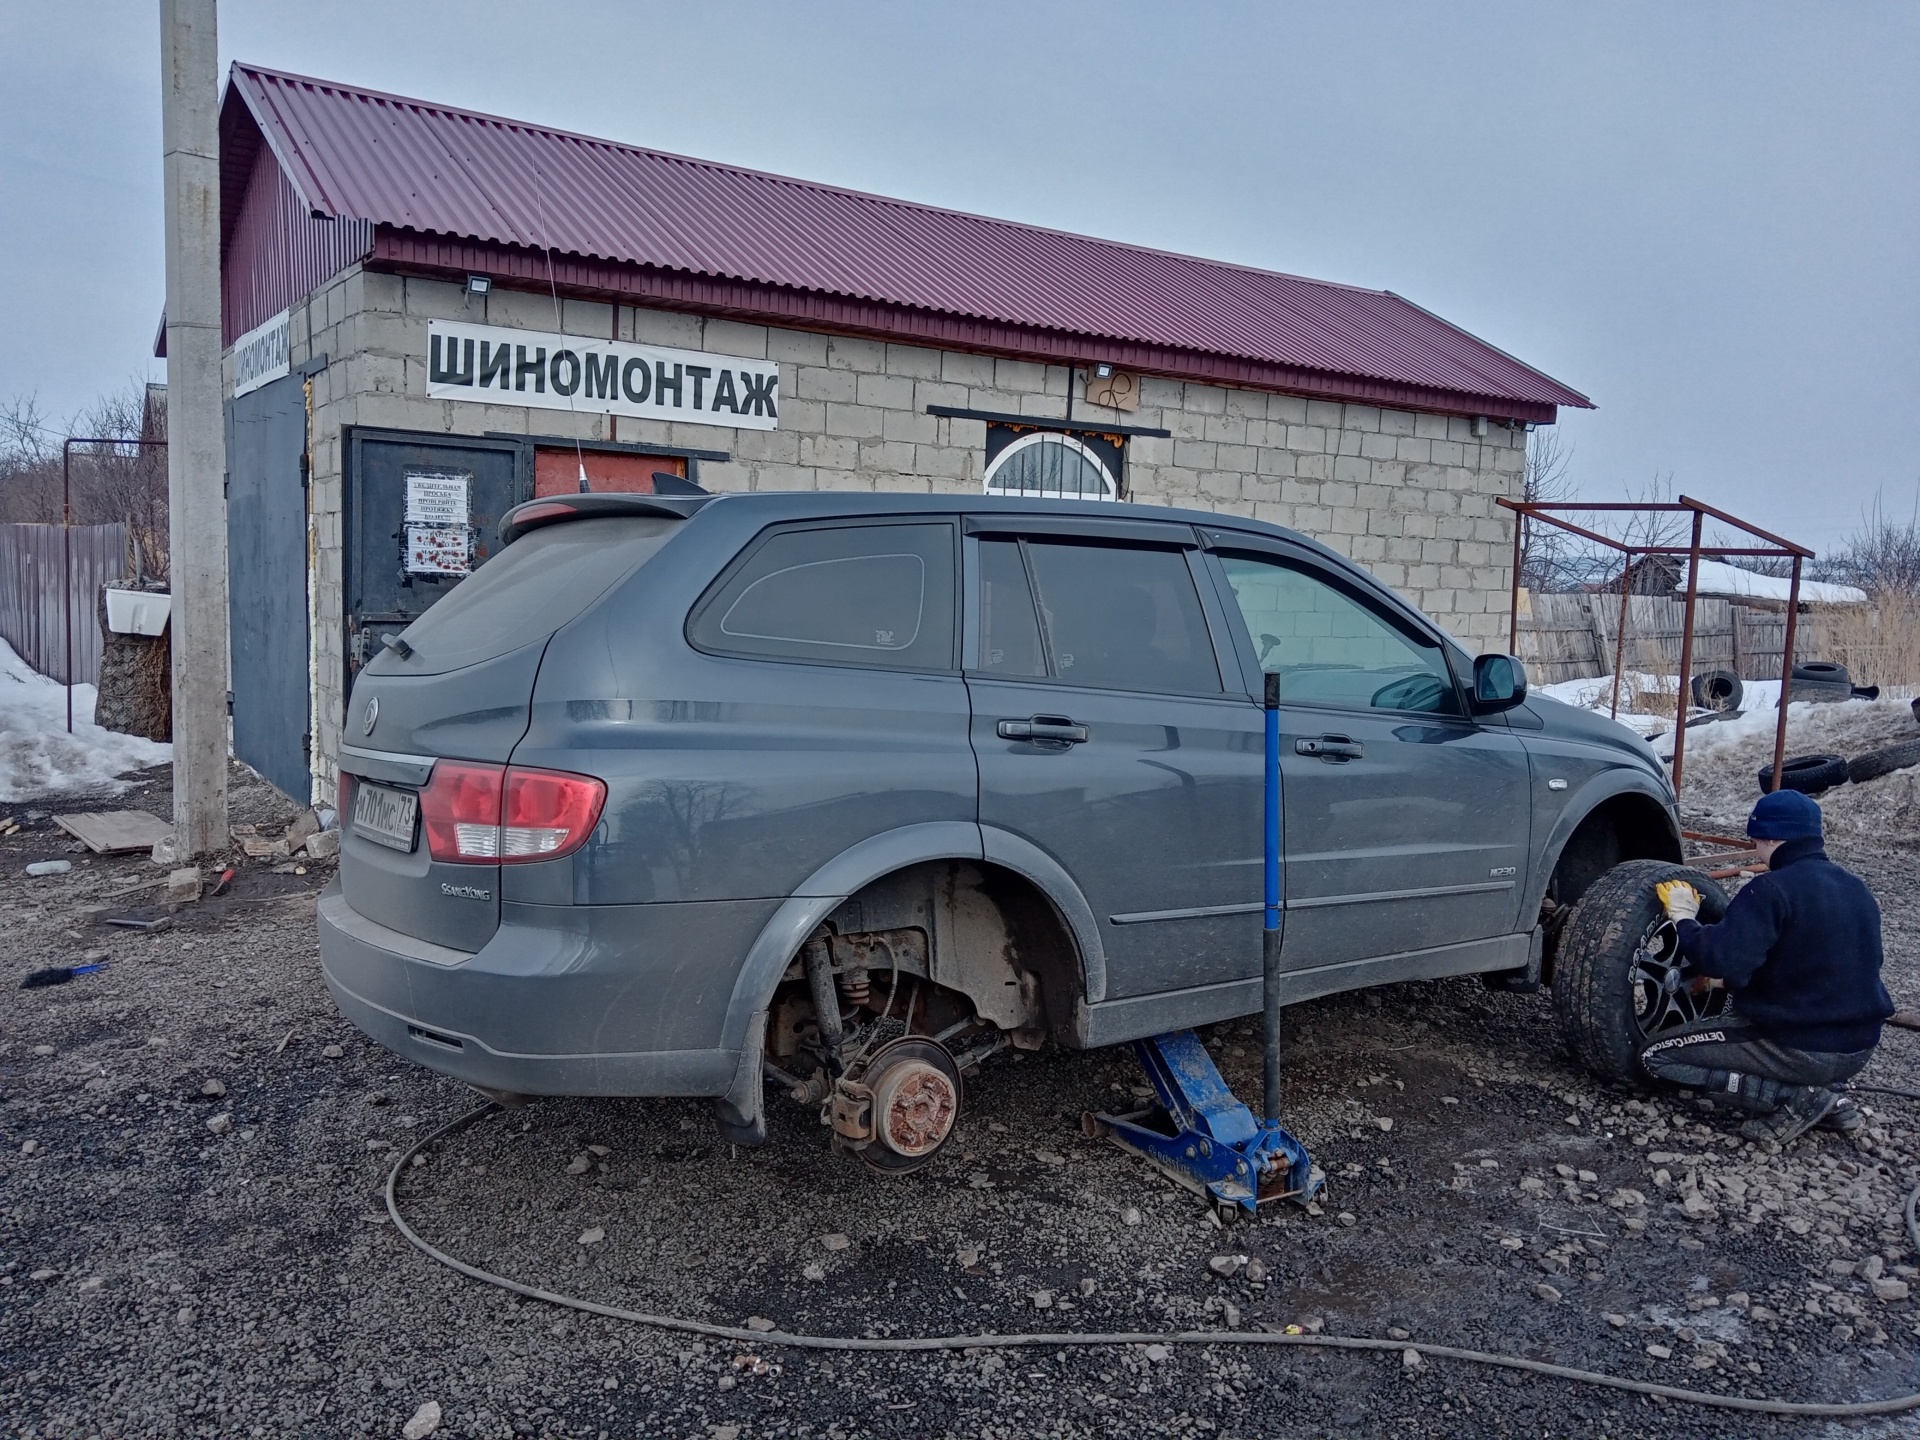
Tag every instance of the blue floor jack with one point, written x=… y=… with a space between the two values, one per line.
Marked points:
x=1198 y=1133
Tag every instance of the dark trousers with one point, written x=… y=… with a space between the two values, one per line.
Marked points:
x=1726 y=1060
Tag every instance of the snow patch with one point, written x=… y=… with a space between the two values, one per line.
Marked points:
x=39 y=758
x=1724 y=756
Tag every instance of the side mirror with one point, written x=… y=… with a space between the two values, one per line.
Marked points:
x=1499 y=683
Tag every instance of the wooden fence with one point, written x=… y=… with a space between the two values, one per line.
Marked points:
x=33 y=580
x=1573 y=637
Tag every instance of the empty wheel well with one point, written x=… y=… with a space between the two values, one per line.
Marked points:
x=1044 y=945
x=973 y=930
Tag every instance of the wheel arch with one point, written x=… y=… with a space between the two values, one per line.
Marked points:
x=1032 y=889
x=1618 y=816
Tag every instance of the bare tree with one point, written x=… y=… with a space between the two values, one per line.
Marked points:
x=1882 y=557
x=113 y=482
x=29 y=463
x=123 y=481
x=1545 y=550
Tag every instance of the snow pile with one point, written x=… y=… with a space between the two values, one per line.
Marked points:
x=1724 y=756
x=1721 y=775
x=1636 y=688
x=38 y=757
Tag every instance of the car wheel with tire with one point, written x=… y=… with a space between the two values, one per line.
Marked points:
x=1618 y=982
x=1875 y=763
x=1809 y=774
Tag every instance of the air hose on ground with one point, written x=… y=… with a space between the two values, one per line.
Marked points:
x=1090 y=1339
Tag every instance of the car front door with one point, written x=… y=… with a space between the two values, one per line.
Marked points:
x=1405 y=823
x=1107 y=739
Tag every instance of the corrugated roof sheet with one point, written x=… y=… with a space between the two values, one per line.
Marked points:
x=417 y=166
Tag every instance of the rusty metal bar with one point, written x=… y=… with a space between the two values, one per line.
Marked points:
x=1686 y=657
x=1620 y=636
x=1701 y=507
x=1513 y=596
x=1673 y=506
x=1714 y=550
x=1707 y=837
x=66 y=574
x=1581 y=530
x=1786 y=676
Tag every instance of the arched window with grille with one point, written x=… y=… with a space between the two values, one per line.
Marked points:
x=1047 y=465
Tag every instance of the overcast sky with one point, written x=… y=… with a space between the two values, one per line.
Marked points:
x=1702 y=216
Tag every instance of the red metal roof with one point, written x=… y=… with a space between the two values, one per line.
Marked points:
x=409 y=165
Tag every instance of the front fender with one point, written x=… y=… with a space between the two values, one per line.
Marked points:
x=1605 y=786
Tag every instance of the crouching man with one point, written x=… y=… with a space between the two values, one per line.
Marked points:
x=1799 y=953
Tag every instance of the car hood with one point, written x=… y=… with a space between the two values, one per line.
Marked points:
x=1570 y=722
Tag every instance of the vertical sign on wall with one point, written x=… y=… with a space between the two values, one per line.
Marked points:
x=261 y=355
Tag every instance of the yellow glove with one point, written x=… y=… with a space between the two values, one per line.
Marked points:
x=1679 y=899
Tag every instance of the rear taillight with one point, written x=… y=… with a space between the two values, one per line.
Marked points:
x=548 y=812
x=460 y=810
x=502 y=814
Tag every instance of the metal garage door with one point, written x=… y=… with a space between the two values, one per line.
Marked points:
x=423 y=511
x=267 y=582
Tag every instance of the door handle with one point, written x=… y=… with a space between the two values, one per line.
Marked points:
x=1337 y=748
x=1057 y=729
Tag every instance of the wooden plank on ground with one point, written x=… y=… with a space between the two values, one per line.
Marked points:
x=115 y=832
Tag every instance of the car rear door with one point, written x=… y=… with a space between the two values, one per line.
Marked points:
x=1405 y=823
x=1106 y=738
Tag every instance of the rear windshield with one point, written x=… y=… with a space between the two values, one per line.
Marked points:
x=528 y=591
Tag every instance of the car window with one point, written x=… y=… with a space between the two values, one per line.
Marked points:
x=1009 y=626
x=1329 y=648
x=526 y=592
x=858 y=595
x=1120 y=617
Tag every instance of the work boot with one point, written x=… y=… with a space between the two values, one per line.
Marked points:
x=1802 y=1110
x=1844 y=1117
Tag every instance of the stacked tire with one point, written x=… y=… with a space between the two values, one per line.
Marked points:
x=1820 y=680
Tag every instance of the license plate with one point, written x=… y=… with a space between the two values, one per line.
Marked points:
x=385 y=816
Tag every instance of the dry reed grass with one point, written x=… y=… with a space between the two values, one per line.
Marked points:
x=1878 y=643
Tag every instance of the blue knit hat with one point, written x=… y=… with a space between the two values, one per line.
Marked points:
x=1784 y=815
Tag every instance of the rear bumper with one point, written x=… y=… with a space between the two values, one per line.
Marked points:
x=563 y=1000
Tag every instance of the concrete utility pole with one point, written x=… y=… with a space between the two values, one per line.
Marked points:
x=196 y=449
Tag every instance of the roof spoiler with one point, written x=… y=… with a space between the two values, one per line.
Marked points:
x=553 y=509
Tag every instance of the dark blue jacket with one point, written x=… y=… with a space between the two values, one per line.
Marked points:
x=1800 y=950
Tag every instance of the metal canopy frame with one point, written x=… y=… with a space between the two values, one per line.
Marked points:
x=1774 y=546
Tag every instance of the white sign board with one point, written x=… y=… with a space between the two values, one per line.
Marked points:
x=439 y=532
x=495 y=365
x=261 y=355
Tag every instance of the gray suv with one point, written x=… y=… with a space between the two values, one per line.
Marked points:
x=681 y=795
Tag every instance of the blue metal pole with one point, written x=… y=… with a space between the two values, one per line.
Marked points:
x=1270 y=936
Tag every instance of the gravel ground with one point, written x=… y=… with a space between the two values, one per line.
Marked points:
x=175 y=1262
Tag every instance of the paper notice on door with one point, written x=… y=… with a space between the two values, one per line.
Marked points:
x=439 y=534
x=439 y=550
x=438 y=497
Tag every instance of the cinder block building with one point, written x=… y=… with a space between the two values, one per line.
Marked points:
x=433 y=315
